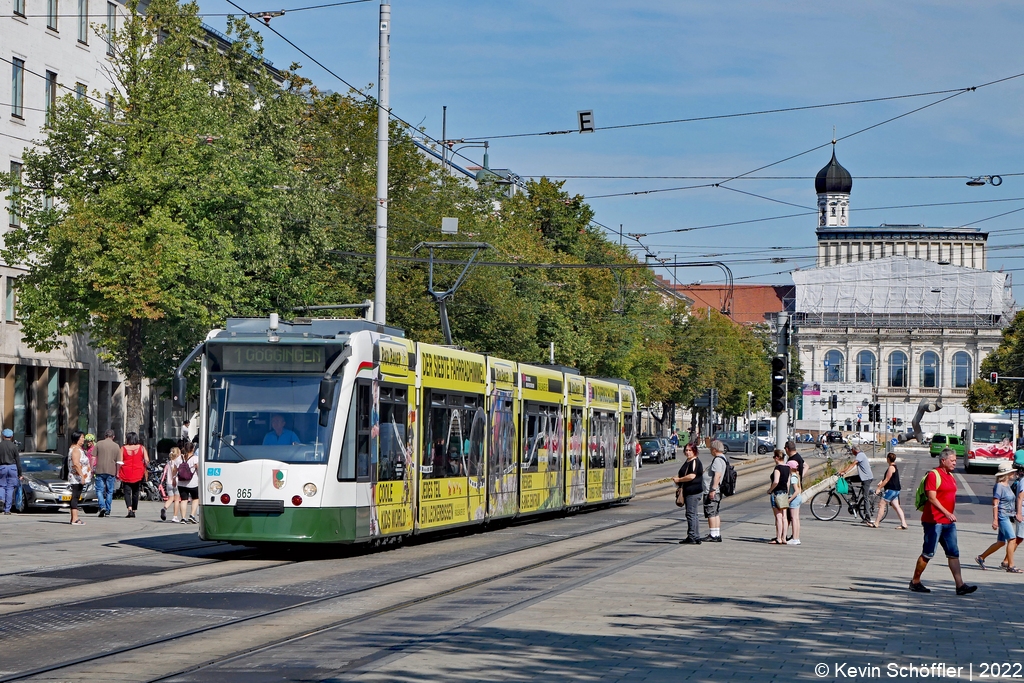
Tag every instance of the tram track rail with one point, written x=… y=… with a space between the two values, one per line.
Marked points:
x=742 y=495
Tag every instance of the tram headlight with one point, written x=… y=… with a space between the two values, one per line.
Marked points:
x=215 y=487
x=309 y=489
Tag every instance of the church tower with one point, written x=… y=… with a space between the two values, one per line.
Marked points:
x=833 y=184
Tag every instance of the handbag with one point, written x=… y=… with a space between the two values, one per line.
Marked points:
x=680 y=497
x=842 y=486
x=782 y=500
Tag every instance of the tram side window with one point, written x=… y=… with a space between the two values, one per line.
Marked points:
x=556 y=435
x=611 y=440
x=596 y=450
x=456 y=429
x=533 y=441
x=359 y=450
x=629 y=441
x=503 y=436
x=576 y=439
x=542 y=444
x=394 y=406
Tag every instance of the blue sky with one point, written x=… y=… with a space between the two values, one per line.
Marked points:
x=529 y=65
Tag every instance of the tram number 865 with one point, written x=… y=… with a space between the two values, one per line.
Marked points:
x=244 y=493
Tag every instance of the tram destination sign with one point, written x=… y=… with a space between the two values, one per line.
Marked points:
x=271 y=358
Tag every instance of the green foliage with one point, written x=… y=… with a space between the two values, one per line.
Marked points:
x=1007 y=360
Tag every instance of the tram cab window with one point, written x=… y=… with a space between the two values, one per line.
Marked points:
x=394 y=406
x=454 y=437
x=359 y=451
x=576 y=439
x=542 y=440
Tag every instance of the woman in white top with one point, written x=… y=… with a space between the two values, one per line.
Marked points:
x=189 y=490
x=79 y=472
x=169 y=483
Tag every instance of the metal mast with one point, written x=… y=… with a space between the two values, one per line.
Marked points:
x=383 y=118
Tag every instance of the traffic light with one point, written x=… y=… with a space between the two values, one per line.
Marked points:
x=994 y=378
x=778 y=385
x=833 y=402
x=874 y=412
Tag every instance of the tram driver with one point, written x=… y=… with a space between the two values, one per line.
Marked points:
x=278 y=435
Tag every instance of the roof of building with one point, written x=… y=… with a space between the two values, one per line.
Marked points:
x=750 y=303
x=902 y=285
x=898 y=231
x=833 y=178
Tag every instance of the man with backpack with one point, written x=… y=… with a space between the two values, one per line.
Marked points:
x=712 y=480
x=936 y=498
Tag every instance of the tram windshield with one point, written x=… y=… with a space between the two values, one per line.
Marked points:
x=273 y=417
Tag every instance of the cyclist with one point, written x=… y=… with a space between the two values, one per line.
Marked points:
x=865 y=477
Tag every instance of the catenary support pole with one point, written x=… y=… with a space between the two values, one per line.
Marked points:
x=380 y=291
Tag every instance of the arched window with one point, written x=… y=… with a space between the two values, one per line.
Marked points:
x=897 y=369
x=866 y=367
x=929 y=369
x=835 y=366
x=962 y=375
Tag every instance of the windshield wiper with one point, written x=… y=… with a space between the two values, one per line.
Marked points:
x=220 y=438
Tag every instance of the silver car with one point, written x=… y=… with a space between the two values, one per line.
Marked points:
x=43 y=488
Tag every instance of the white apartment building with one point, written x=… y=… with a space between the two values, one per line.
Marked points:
x=50 y=48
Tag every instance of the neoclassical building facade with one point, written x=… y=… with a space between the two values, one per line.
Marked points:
x=892 y=324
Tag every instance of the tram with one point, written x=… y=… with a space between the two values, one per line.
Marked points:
x=344 y=431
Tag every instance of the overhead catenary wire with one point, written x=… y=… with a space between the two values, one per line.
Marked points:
x=284 y=10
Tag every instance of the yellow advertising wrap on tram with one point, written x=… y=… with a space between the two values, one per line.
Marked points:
x=503 y=427
x=576 y=441
x=542 y=426
x=627 y=463
x=394 y=418
x=603 y=454
x=452 y=482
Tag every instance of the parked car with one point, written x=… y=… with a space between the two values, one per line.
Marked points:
x=857 y=438
x=651 y=449
x=834 y=436
x=736 y=442
x=941 y=441
x=43 y=488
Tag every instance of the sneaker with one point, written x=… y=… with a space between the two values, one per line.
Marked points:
x=965 y=589
x=192 y=519
x=690 y=541
x=712 y=539
x=793 y=541
x=163 y=514
x=103 y=513
x=981 y=561
x=175 y=520
x=919 y=588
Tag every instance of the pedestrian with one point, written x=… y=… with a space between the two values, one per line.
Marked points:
x=778 y=496
x=1019 y=510
x=90 y=450
x=711 y=483
x=134 y=461
x=796 y=495
x=866 y=479
x=169 y=486
x=79 y=472
x=690 y=479
x=188 y=488
x=1004 y=508
x=793 y=455
x=108 y=453
x=10 y=469
x=939 y=522
x=184 y=430
x=889 y=489
x=639 y=453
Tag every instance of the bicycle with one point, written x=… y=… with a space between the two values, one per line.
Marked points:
x=826 y=505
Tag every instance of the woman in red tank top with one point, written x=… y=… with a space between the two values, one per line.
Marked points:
x=132 y=470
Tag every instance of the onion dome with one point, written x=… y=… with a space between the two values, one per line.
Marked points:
x=833 y=178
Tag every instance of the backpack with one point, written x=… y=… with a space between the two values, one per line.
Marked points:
x=1018 y=458
x=920 y=496
x=727 y=486
x=184 y=471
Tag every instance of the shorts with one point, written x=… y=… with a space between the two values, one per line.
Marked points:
x=944 y=535
x=711 y=506
x=889 y=496
x=796 y=501
x=1006 y=531
x=1020 y=530
x=188 y=493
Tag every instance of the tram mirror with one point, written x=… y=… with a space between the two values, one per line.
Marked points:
x=178 y=394
x=326 y=401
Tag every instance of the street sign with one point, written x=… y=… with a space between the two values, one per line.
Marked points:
x=860 y=416
x=893 y=442
x=586 y=119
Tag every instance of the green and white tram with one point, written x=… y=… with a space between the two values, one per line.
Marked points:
x=344 y=431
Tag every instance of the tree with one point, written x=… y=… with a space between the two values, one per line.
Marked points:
x=145 y=223
x=1008 y=360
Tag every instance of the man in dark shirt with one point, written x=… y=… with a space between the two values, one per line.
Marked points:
x=791 y=454
x=690 y=480
x=10 y=469
x=108 y=453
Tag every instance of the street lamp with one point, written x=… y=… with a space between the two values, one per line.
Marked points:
x=750 y=397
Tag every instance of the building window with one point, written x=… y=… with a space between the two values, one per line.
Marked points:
x=866 y=367
x=110 y=107
x=51 y=96
x=13 y=202
x=51 y=14
x=83 y=400
x=79 y=91
x=111 y=26
x=929 y=369
x=21 y=403
x=17 y=87
x=962 y=374
x=10 y=294
x=835 y=366
x=19 y=7
x=897 y=369
x=83 y=21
